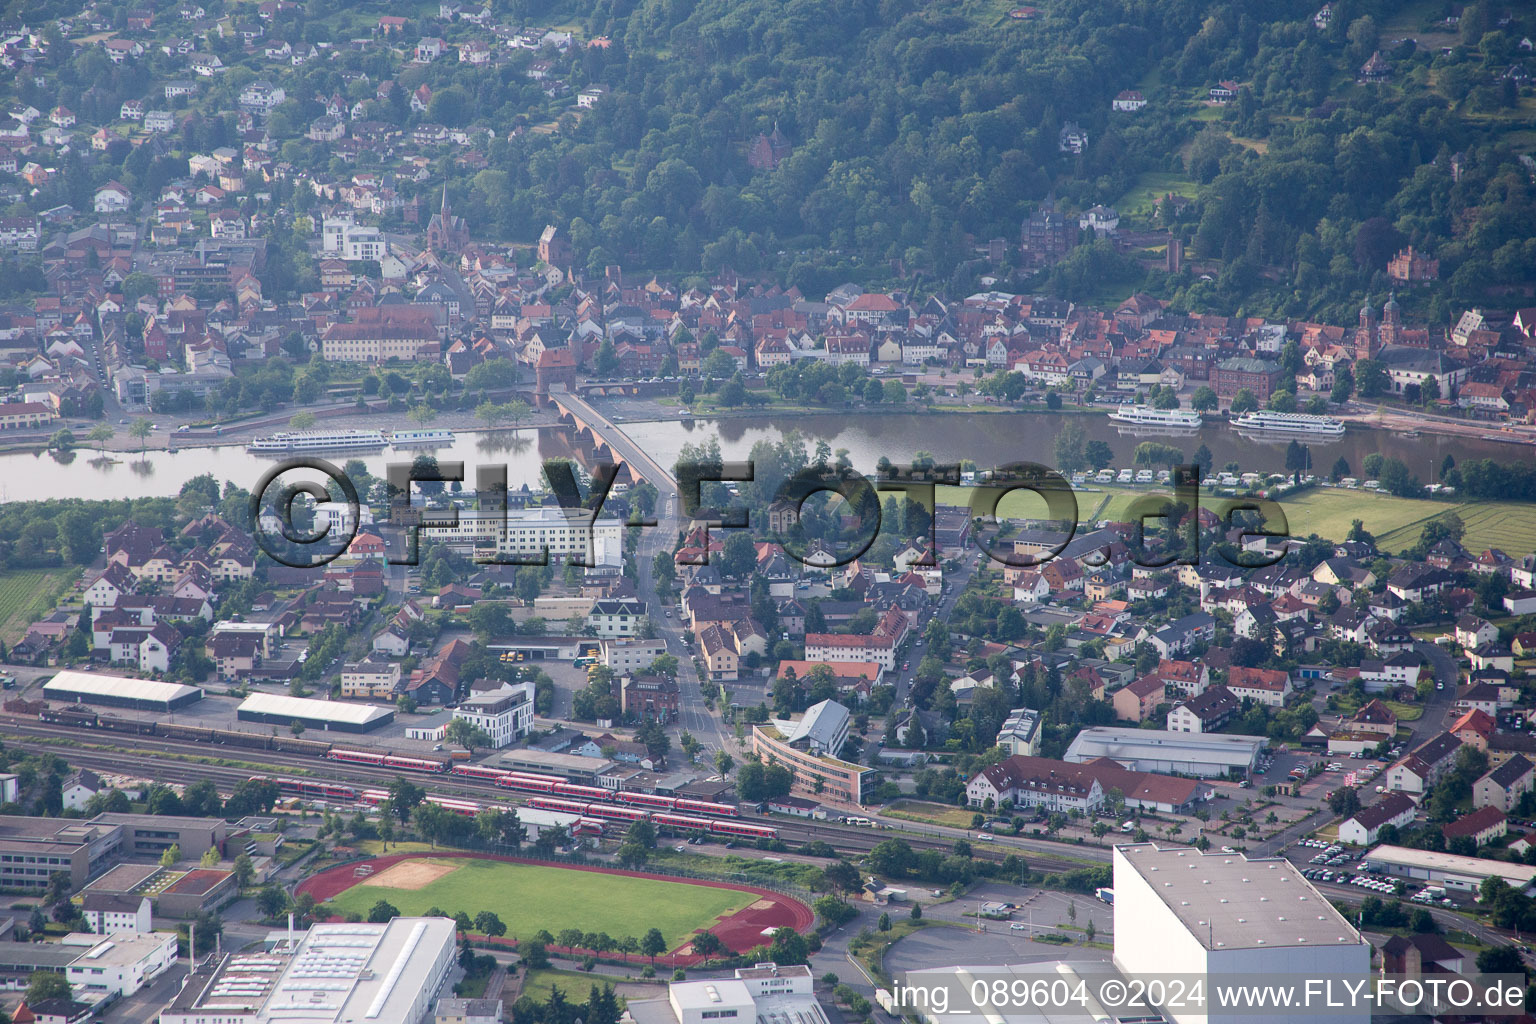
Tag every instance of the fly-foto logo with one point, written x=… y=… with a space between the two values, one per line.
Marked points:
x=1178 y=512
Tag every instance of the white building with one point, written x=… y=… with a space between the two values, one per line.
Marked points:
x=823 y=729
x=363 y=244
x=1180 y=912
x=505 y=715
x=333 y=232
x=1394 y=809
x=108 y=912
x=468 y=1011
x=616 y=617
x=1465 y=874
x=120 y=964
x=379 y=972
x=1020 y=733
x=766 y=992
x=342 y=518
x=1204 y=755
x=530 y=533
x=629 y=656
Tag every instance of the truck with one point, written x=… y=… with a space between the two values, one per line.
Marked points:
x=1105 y=894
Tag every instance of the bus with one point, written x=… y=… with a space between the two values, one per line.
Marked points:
x=585 y=661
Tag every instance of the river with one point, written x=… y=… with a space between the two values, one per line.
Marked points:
x=997 y=438
x=987 y=439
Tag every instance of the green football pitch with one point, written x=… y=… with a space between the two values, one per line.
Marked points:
x=530 y=897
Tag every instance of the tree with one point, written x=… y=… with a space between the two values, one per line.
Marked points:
x=487 y=923
x=272 y=901
x=1099 y=454
x=842 y=875
x=884 y=924
x=171 y=855
x=140 y=429
x=917 y=912
x=1498 y=960
x=466 y=734
x=789 y=947
x=45 y=985
x=302 y=420
x=653 y=944
x=1070 y=448
x=1204 y=399
x=1244 y=401
x=404 y=795
x=834 y=912
x=1371 y=378
x=382 y=912
x=244 y=870
x=1343 y=384
x=707 y=943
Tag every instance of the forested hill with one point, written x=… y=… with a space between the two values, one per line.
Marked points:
x=911 y=125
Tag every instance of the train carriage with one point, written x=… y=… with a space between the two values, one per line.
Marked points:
x=546 y=803
x=705 y=807
x=681 y=822
x=414 y=764
x=742 y=830
x=374 y=757
x=480 y=771
x=529 y=783
x=665 y=803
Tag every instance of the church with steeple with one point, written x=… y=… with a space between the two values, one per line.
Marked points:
x=447 y=232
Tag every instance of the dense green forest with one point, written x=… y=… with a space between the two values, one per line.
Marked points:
x=914 y=126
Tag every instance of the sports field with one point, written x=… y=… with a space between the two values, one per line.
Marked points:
x=530 y=897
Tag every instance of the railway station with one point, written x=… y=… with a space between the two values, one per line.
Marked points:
x=324 y=715
x=72 y=687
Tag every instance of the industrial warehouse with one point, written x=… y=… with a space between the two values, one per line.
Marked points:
x=1455 y=872
x=1203 y=755
x=325 y=715
x=72 y=687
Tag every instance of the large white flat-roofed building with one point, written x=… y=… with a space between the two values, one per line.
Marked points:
x=118 y=964
x=333 y=973
x=531 y=532
x=111 y=691
x=1204 y=755
x=1448 y=869
x=1181 y=912
x=763 y=994
x=325 y=715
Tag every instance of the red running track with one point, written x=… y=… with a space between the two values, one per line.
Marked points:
x=740 y=932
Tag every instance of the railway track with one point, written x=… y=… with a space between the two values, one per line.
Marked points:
x=170 y=760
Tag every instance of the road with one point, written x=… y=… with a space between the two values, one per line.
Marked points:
x=693 y=715
x=1447 y=675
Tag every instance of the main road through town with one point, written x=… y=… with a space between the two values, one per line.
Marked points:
x=694 y=716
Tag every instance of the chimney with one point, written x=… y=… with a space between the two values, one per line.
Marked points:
x=290 y=930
